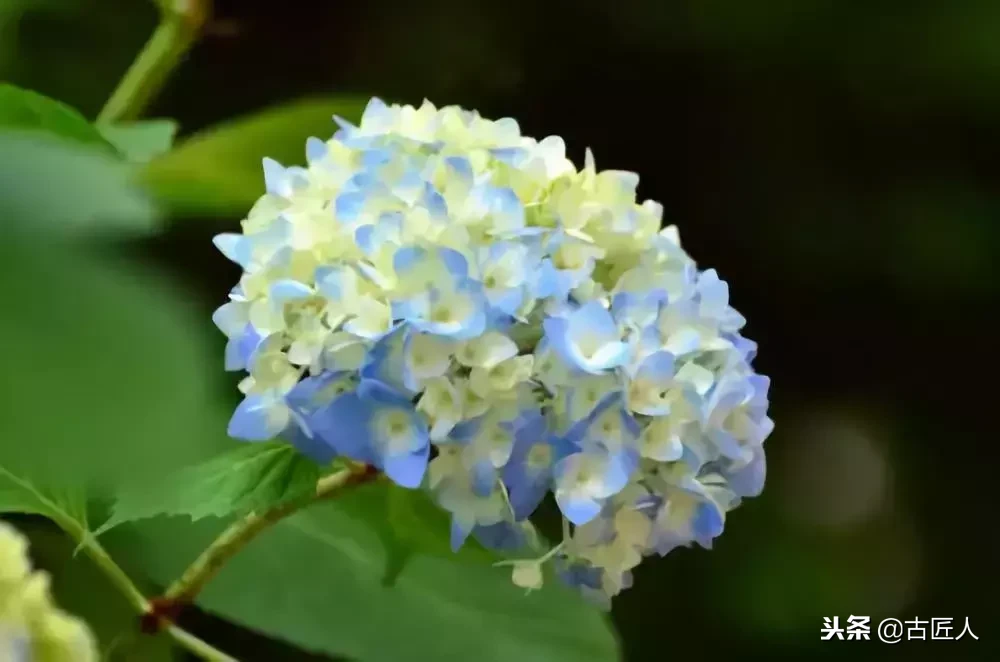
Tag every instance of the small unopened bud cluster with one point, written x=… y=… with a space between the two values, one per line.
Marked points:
x=32 y=627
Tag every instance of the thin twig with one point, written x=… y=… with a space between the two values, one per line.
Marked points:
x=180 y=23
x=184 y=591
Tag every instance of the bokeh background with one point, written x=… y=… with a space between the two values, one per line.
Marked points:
x=837 y=162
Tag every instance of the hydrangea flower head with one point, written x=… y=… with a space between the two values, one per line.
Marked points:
x=32 y=628
x=465 y=309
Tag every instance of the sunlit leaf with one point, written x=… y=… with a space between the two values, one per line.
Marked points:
x=250 y=477
x=47 y=182
x=218 y=171
x=140 y=142
x=26 y=110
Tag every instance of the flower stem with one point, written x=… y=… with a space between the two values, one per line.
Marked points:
x=197 y=646
x=88 y=543
x=242 y=532
x=180 y=23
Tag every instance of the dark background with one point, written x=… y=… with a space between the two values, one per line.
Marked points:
x=837 y=162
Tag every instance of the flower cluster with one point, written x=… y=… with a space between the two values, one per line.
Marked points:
x=463 y=308
x=32 y=628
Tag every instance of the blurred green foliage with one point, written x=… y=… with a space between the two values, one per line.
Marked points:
x=48 y=184
x=113 y=377
x=27 y=110
x=140 y=142
x=218 y=171
x=112 y=396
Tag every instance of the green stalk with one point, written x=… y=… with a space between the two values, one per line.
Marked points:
x=246 y=529
x=180 y=23
x=88 y=543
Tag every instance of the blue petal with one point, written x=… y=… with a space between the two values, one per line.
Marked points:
x=501 y=537
x=316 y=149
x=289 y=290
x=555 y=329
x=406 y=257
x=591 y=319
x=455 y=262
x=707 y=523
x=714 y=294
x=507 y=202
x=407 y=470
x=459 y=534
x=506 y=301
x=760 y=385
x=552 y=282
x=625 y=306
x=509 y=155
x=464 y=431
x=435 y=203
x=309 y=395
x=234 y=360
x=365 y=182
x=728 y=445
x=344 y=424
x=579 y=432
x=236 y=247
x=346 y=127
x=253 y=419
x=580 y=574
x=461 y=166
x=410 y=187
x=312 y=447
x=231 y=318
x=525 y=487
x=370 y=238
x=330 y=282
x=275 y=177
x=381 y=393
x=503 y=203
x=376 y=112
x=578 y=510
x=348 y=206
x=620 y=467
x=364 y=237
x=385 y=360
x=748 y=481
x=241 y=348
x=595 y=318
x=657 y=368
x=373 y=158
x=482 y=477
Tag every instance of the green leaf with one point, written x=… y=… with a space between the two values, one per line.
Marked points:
x=140 y=142
x=113 y=374
x=250 y=477
x=18 y=494
x=316 y=580
x=22 y=109
x=47 y=182
x=218 y=171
